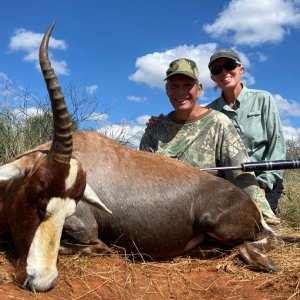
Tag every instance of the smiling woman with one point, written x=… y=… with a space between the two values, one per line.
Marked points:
x=254 y=115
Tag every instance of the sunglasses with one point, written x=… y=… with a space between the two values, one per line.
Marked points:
x=228 y=66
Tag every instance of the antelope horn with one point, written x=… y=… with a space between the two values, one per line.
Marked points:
x=61 y=148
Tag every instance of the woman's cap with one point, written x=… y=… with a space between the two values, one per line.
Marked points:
x=224 y=53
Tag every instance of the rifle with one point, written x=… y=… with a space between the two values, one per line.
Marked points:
x=261 y=166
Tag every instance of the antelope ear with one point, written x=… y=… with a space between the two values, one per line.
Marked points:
x=90 y=197
x=10 y=171
x=20 y=166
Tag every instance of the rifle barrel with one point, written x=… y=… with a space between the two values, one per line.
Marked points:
x=261 y=166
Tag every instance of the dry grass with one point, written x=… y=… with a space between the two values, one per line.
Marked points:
x=289 y=204
x=184 y=278
x=121 y=277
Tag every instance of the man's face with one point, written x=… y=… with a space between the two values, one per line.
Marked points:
x=183 y=92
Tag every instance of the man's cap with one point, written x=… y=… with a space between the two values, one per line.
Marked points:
x=224 y=53
x=183 y=66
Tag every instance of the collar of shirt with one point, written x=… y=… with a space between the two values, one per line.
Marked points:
x=221 y=104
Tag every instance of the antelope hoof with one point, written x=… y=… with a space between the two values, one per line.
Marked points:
x=256 y=259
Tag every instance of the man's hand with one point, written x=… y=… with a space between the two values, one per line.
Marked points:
x=263 y=191
x=154 y=120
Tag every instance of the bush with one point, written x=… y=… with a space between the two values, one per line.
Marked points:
x=289 y=204
x=26 y=119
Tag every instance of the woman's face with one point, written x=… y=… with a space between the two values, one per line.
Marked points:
x=227 y=79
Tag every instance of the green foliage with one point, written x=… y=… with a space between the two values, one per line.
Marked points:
x=289 y=204
x=37 y=130
x=21 y=133
x=26 y=119
x=293 y=148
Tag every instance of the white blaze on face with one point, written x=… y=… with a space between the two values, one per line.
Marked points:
x=71 y=179
x=42 y=256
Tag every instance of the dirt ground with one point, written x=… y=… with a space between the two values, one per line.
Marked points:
x=119 y=277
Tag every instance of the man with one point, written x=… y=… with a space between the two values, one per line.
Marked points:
x=200 y=136
x=254 y=115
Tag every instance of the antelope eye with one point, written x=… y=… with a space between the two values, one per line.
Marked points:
x=37 y=195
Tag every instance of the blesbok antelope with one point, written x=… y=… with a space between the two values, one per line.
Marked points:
x=160 y=206
x=39 y=190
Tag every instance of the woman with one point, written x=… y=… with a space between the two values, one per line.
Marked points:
x=254 y=115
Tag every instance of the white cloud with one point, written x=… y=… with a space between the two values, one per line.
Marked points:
x=142 y=120
x=25 y=40
x=151 y=68
x=287 y=107
x=60 y=67
x=261 y=57
x=127 y=132
x=99 y=117
x=28 y=112
x=248 y=79
x=92 y=89
x=124 y=133
x=251 y=23
x=290 y=132
x=29 y=42
x=136 y=98
x=20 y=115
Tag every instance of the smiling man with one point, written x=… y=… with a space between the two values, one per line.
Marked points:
x=200 y=136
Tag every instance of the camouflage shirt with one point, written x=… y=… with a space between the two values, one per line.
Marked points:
x=208 y=141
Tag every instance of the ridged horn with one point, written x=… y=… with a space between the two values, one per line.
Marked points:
x=62 y=145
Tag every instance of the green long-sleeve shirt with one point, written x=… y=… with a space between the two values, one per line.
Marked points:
x=256 y=119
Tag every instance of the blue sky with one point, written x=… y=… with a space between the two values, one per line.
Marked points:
x=120 y=50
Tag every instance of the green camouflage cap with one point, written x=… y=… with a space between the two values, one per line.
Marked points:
x=183 y=66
